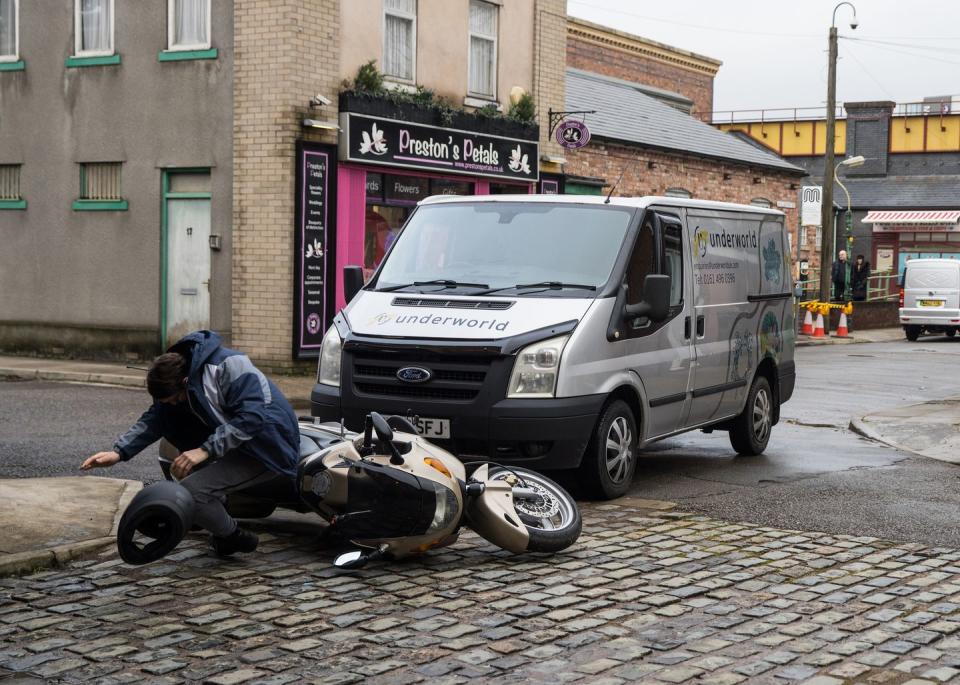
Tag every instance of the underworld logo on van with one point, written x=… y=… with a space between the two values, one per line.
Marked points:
x=746 y=240
x=414 y=374
x=445 y=321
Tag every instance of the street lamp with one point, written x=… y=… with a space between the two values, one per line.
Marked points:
x=850 y=162
x=826 y=215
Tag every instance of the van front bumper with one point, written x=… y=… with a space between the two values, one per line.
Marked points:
x=542 y=434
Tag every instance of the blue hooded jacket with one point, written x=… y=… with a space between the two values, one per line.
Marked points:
x=230 y=405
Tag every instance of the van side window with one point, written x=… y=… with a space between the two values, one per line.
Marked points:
x=673 y=260
x=643 y=261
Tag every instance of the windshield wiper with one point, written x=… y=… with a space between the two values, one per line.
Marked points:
x=439 y=281
x=545 y=285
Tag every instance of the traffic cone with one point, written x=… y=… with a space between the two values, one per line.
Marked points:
x=807 y=324
x=818 y=331
x=842 y=331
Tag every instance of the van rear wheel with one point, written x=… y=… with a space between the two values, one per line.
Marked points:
x=611 y=457
x=912 y=332
x=750 y=431
x=951 y=332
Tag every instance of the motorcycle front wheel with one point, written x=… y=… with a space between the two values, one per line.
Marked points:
x=548 y=512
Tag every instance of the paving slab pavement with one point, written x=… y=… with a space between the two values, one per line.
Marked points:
x=928 y=429
x=865 y=336
x=296 y=388
x=46 y=522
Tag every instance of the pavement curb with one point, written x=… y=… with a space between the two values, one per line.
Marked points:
x=74 y=376
x=860 y=428
x=23 y=563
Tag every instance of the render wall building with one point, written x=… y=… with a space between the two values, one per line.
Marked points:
x=166 y=166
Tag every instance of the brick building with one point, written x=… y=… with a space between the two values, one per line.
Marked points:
x=644 y=94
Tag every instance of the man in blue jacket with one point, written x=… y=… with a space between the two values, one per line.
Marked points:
x=219 y=410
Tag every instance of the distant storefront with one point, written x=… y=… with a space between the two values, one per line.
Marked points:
x=899 y=235
x=352 y=200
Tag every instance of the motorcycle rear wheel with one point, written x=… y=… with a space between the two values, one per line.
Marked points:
x=553 y=521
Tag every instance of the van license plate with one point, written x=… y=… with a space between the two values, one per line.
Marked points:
x=433 y=428
x=931 y=303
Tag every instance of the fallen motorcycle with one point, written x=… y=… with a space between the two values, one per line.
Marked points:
x=387 y=492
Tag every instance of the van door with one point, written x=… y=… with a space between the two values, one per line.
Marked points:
x=660 y=353
x=726 y=269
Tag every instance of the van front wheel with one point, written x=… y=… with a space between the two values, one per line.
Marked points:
x=611 y=457
x=750 y=431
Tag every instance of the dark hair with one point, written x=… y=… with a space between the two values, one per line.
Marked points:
x=165 y=376
x=859 y=256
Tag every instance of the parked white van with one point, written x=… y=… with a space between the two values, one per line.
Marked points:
x=930 y=297
x=567 y=332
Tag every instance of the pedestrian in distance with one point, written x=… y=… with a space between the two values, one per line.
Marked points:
x=859 y=274
x=233 y=427
x=840 y=276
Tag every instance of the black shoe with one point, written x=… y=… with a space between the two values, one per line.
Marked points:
x=239 y=540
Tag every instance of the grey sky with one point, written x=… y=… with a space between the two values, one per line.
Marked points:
x=774 y=52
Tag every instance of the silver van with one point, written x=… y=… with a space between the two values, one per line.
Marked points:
x=567 y=332
x=930 y=297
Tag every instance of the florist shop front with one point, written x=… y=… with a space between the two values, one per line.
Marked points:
x=353 y=199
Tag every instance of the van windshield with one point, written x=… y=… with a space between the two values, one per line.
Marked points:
x=555 y=250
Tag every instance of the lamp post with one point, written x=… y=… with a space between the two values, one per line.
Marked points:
x=826 y=215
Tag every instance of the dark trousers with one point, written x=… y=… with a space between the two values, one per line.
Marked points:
x=211 y=484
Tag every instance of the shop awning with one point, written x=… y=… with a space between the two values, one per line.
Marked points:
x=913 y=218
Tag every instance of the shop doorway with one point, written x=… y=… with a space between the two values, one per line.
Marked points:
x=391 y=199
x=186 y=254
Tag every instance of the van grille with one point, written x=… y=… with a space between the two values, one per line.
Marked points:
x=497 y=305
x=455 y=378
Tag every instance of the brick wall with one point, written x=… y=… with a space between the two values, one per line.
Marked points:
x=549 y=70
x=704 y=178
x=613 y=53
x=285 y=52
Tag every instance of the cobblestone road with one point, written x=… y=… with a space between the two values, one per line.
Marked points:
x=660 y=597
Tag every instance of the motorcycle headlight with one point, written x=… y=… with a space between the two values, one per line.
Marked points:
x=328 y=368
x=536 y=369
x=446 y=511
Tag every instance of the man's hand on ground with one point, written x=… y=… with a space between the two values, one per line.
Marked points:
x=183 y=465
x=100 y=459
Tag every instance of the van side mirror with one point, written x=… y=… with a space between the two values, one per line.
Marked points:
x=656 y=299
x=352 y=282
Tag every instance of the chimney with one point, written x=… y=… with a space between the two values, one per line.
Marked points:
x=868 y=134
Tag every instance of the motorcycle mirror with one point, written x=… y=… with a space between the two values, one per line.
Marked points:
x=348 y=560
x=380 y=425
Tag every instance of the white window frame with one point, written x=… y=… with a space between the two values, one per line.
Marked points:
x=78 y=33
x=15 y=57
x=496 y=53
x=413 y=32
x=170 y=30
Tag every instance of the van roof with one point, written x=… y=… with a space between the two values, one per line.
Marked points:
x=635 y=202
x=938 y=261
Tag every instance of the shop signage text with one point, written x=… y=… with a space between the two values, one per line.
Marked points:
x=392 y=143
x=316 y=190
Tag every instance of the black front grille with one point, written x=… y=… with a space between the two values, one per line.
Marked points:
x=495 y=305
x=416 y=391
x=453 y=377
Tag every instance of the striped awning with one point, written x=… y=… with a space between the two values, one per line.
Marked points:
x=937 y=217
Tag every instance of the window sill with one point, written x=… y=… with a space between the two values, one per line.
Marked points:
x=471 y=101
x=13 y=204
x=184 y=55
x=13 y=66
x=98 y=61
x=100 y=205
x=398 y=86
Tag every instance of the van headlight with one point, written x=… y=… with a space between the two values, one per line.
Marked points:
x=536 y=369
x=328 y=368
